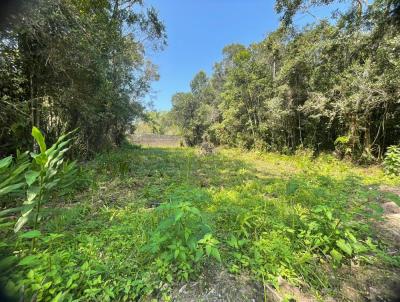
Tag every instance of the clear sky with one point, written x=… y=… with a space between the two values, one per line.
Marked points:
x=197 y=31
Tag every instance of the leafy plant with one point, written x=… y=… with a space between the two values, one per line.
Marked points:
x=330 y=236
x=39 y=178
x=297 y=219
x=11 y=173
x=342 y=146
x=44 y=176
x=392 y=160
x=181 y=241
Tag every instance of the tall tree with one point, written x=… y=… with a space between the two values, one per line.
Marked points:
x=70 y=64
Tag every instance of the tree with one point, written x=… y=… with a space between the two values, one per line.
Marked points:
x=76 y=64
x=317 y=87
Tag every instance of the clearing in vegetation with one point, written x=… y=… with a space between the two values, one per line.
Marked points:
x=168 y=224
x=205 y=223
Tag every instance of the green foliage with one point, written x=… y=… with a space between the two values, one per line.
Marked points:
x=306 y=226
x=289 y=8
x=192 y=112
x=181 y=241
x=272 y=215
x=43 y=176
x=51 y=75
x=332 y=236
x=157 y=123
x=392 y=160
x=12 y=174
x=302 y=88
x=342 y=146
x=37 y=180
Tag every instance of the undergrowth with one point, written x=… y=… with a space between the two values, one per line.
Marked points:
x=152 y=218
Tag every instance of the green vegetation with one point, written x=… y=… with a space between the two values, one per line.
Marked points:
x=75 y=64
x=280 y=199
x=392 y=160
x=157 y=123
x=328 y=85
x=152 y=217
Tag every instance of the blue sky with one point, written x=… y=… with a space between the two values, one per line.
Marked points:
x=197 y=31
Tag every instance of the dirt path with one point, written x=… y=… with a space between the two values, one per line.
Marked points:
x=389 y=228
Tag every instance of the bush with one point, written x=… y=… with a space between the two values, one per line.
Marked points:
x=37 y=178
x=392 y=160
x=342 y=146
x=181 y=242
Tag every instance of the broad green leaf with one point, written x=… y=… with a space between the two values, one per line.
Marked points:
x=337 y=256
x=31 y=234
x=370 y=244
x=52 y=236
x=199 y=254
x=69 y=282
x=351 y=237
x=192 y=243
x=51 y=172
x=233 y=242
x=215 y=254
x=27 y=209
x=28 y=260
x=187 y=233
x=359 y=247
x=39 y=139
x=20 y=223
x=328 y=215
x=6 y=225
x=52 y=184
x=208 y=250
x=31 y=193
x=58 y=298
x=47 y=285
x=344 y=246
x=178 y=216
x=31 y=176
x=7 y=262
x=41 y=159
x=5 y=162
x=10 y=188
x=194 y=211
x=183 y=256
x=14 y=175
x=50 y=152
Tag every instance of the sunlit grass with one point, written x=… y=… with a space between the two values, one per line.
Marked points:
x=267 y=200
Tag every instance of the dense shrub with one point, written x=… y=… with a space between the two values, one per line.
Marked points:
x=392 y=160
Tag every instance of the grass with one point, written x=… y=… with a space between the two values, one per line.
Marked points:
x=269 y=215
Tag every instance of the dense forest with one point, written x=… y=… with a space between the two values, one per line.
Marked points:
x=331 y=85
x=75 y=64
x=276 y=178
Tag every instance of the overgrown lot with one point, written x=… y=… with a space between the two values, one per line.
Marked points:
x=153 y=219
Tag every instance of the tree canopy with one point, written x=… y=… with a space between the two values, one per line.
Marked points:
x=75 y=64
x=327 y=86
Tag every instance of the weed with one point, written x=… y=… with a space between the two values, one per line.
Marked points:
x=268 y=214
x=181 y=241
x=392 y=160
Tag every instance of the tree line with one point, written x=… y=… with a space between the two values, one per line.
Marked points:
x=68 y=64
x=329 y=86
